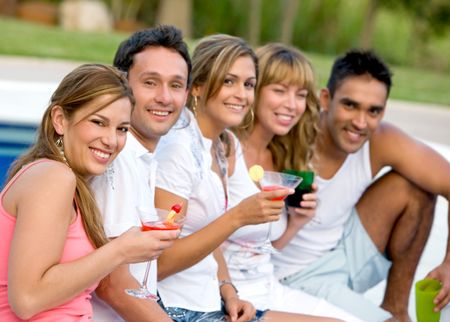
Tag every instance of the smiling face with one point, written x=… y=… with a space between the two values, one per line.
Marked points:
x=354 y=112
x=159 y=79
x=92 y=139
x=280 y=107
x=228 y=107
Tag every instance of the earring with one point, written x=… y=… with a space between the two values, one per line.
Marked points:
x=194 y=106
x=60 y=145
x=248 y=122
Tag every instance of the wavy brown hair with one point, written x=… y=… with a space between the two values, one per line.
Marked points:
x=80 y=87
x=279 y=63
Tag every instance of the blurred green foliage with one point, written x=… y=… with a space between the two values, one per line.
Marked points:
x=28 y=39
x=333 y=26
x=406 y=32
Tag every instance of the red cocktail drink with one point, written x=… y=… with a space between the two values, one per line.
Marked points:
x=168 y=220
x=272 y=188
x=159 y=225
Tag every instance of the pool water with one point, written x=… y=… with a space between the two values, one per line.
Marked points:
x=14 y=140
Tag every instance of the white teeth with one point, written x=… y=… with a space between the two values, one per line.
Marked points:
x=284 y=117
x=101 y=154
x=354 y=135
x=160 y=113
x=237 y=108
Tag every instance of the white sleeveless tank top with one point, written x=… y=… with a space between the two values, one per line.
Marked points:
x=337 y=197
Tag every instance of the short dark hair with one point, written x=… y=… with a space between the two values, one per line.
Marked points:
x=166 y=36
x=358 y=62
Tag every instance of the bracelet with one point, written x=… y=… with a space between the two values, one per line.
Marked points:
x=227 y=282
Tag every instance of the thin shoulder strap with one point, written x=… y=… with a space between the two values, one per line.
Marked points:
x=20 y=172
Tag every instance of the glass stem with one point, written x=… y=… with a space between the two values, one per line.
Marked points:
x=147 y=271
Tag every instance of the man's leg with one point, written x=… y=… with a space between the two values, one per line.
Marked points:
x=341 y=275
x=398 y=216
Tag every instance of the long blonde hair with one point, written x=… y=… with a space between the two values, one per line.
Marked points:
x=74 y=93
x=280 y=63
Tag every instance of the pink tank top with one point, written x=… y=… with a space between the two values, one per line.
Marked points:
x=77 y=245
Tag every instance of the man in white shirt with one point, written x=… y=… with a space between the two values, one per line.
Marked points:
x=366 y=230
x=158 y=67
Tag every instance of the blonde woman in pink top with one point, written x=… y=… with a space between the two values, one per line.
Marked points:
x=53 y=250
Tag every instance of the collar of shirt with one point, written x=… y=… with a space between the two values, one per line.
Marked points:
x=139 y=150
x=146 y=161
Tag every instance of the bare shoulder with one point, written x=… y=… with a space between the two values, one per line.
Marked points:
x=387 y=131
x=39 y=182
x=51 y=170
x=390 y=146
x=389 y=138
x=48 y=176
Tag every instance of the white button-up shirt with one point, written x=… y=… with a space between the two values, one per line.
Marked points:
x=128 y=183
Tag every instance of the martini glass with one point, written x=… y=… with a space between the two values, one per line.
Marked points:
x=270 y=181
x=158 y=220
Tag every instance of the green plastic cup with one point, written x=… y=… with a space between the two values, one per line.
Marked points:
x=304 y=187
x=426 y=291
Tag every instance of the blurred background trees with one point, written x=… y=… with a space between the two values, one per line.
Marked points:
x=405 y=32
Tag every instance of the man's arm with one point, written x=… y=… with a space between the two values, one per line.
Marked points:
x=427 y=169
x=413 y=159
x=111 y=290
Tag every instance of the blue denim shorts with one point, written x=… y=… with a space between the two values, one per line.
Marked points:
x=179 y=314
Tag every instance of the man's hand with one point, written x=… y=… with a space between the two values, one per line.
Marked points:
x=442 y=274
x=239 y=310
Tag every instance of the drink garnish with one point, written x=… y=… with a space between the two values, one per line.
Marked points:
x=176 y=208
x=256 y=172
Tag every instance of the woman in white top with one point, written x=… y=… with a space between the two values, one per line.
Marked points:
x=280 y=137
x=194 y=165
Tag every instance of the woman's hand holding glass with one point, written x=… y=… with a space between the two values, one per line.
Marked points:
x=161 y=220
x=299 y=216
x=260 y=208
x=139 y=246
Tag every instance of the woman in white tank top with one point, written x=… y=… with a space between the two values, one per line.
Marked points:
x=280 y=137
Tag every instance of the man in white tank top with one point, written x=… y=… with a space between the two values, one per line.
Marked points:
x=366 y=231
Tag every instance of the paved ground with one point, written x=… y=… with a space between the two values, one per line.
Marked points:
x=34 y=69
x=25 y=81
x=427 y=121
